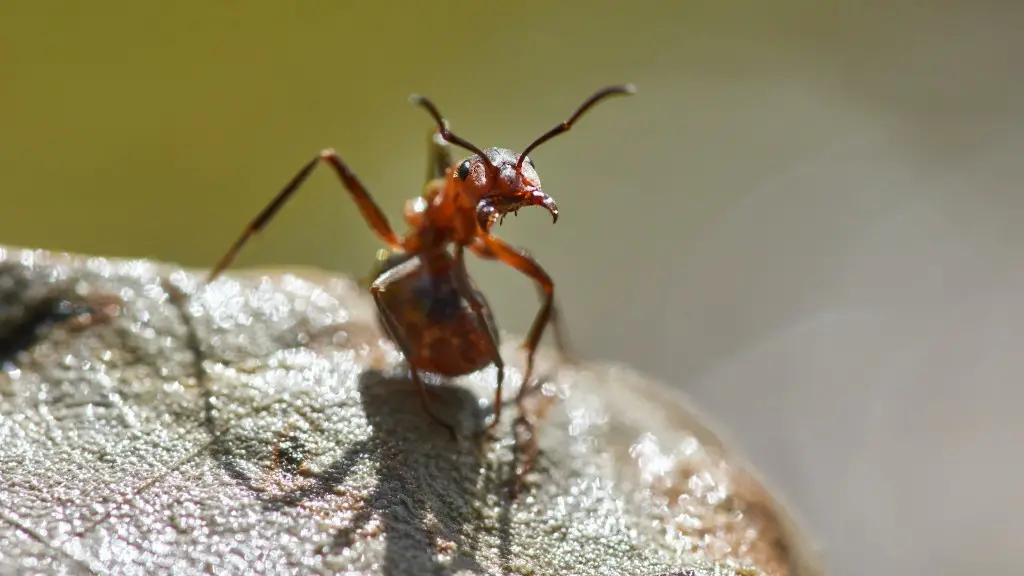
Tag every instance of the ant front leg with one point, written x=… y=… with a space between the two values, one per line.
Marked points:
x=372 y=213
x=557 y=320
x=492 y=248
x=467 y=292
x=393 y=327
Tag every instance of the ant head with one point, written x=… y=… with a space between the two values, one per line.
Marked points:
x=499 y=180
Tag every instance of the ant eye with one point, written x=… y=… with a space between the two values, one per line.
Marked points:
x=463 y=171
x=530 y=162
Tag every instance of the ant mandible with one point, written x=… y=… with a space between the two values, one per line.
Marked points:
x=458 y=207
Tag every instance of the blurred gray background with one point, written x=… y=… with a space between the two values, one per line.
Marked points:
x=808 y=218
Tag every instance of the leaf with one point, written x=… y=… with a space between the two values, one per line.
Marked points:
x=152 y=425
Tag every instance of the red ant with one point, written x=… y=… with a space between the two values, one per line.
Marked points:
x=425 y=299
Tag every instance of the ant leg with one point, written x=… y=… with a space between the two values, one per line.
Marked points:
x=526 y=450
x=377 y=289
x=440 y=157
x=557 y=321
x=558 y=326
x=467 y=292
x=371 y=212
x=494 y=248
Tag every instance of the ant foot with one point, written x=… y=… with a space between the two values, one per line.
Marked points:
x=441 y=422
x=429 y=397
x=525 y=450
x=486 y=433
x=494 y=421
x=433 y=394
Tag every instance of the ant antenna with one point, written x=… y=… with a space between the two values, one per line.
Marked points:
x=442 y=125
x=624 y=89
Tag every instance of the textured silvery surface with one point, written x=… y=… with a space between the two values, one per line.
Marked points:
x=260 y=424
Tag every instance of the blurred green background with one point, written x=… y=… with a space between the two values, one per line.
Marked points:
x=809 y=217
x=159 y=130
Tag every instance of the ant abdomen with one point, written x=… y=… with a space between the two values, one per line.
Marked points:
x=427 y=311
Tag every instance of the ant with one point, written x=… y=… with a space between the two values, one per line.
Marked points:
x=425 y=300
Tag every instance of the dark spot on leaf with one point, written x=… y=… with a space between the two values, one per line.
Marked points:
x=26 y=327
